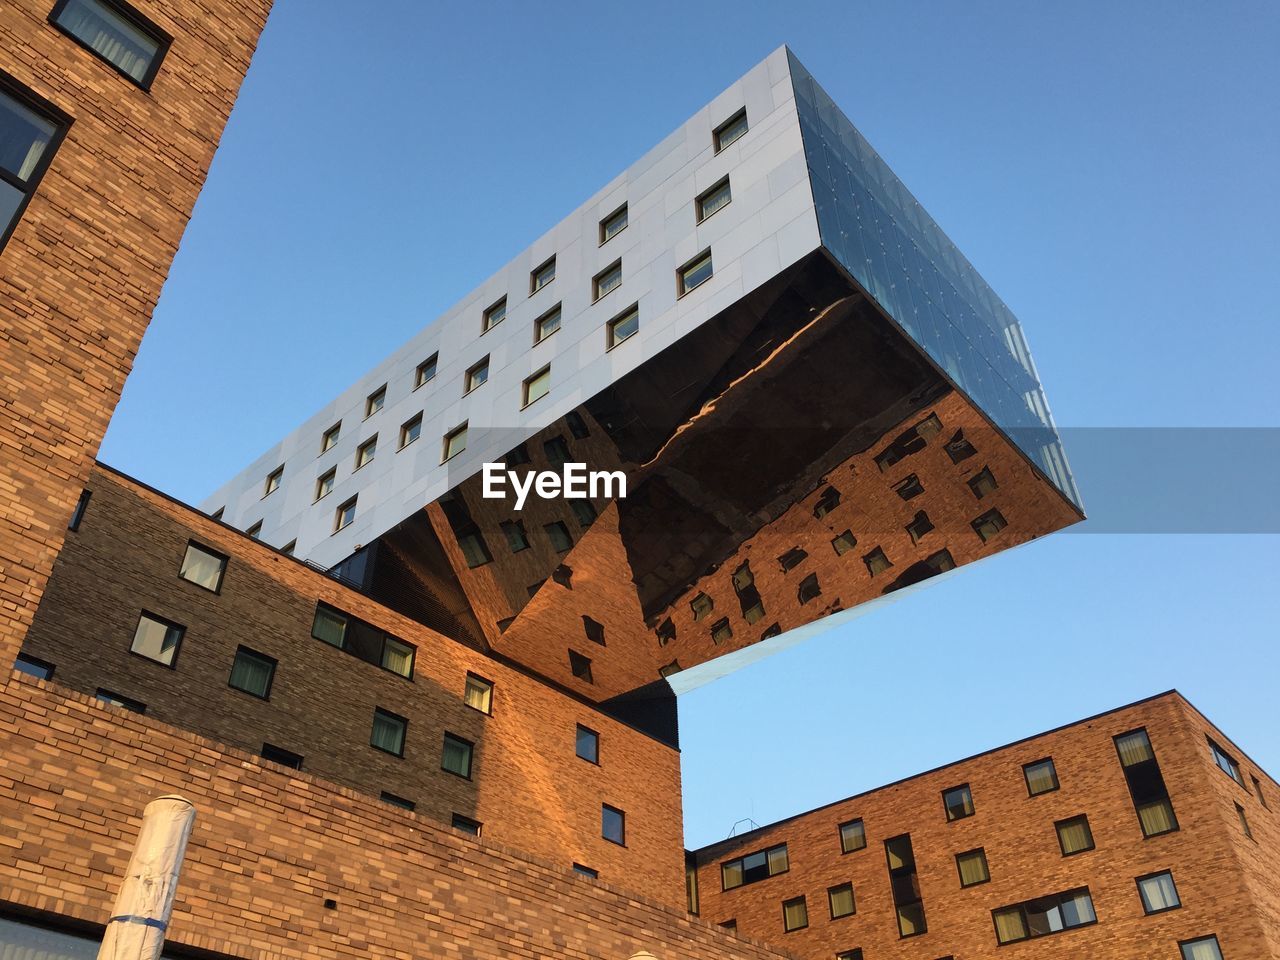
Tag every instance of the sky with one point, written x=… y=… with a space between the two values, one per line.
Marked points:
x=1109 y=168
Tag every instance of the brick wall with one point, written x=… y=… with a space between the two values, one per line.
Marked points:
x=528 y=787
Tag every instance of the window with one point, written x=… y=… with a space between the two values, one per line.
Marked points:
x=1226 y=763
x=388 y=732
x=559 y=535
x=853 y=836
x=30 y=132
x=613 y=824
x=395 y=801
x=1262 y=797
x=587 y=744
x=324 y=483
x=252 y=672
x=254 y=530
x=909 y=488
x=666 y=632
x=455 y=441
x=809 y=589
x=792 y=558
x=876 y=561
x=583 y=511
x=344 y=515
x=1146 y=783
x=537 y=386
x=958 y=801
x=795 y=914
x=397 y=656
x=623 y=326
x=587 y=872
x=547 y=324
x=33 y=667
x=1039 y=918
x=701 y=605
x=594 y=629
x=217 y=514
x=854 y=954
x=729 y=925
x=989 y=524
x=1041 y=777
x=518 y=456
x=478 y=693
x=410 y=430
x=457 y=754
x=1205 y=948
x=1244 y=821
x=607 y=280
x=712 y=200
x=919 y=526
x=958 y=448
x=730 y=130
x=426 y=371
x=477 y=376
x=289 y=547
x=494 y=315
x=694 y=273
x=273 y=481
x=1074 y=835
x=376 y=401
x=580 y=666
x=840 y=899
x=905 y=886
x=117 y=33
x=113 y=699
x=203 y=567
x=77 y=515
x=982 y=483
x=329 y=439
x=366 y=451
x=828 y=501
x=754 y=867
x=972 y=867
x=465 y=825
x=577 y=426
x=721 y=631
x=669 y=669
x=330 y=626
x=157 y=639
x=613 y=224
x=514 y=531
x=542 y=276
x=286 y=758
x=474 y=550
x=1158 y=893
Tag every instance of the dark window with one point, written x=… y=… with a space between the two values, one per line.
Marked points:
x=395 y=801
x=792 y=558
x=1074 y=835
x=854 y=954
x=701 y=606
x=1244 y=821
x=465 y=825
x=982 y=483
x=1146 y=783
x=117 y=33
x=623 y=326
x=958 y=802
x=558 y=534
x=828 y=501
x=580 y=666
x=730 y=130
x=730 y=925
x=587 y=744
x=919 y=526
x=613 y=824
x=717 y=198
x=1043 y=916
x=477 y=375
x=911 y=440
x=721 y=631
x=1158 y=892
x=754 y=867
x=908 y=488
x=30 y=133
x=666 y=632
x=478 y=694
x=853 y=836
x=286 y=758
x=1041 y=777
x=426 y=370
x=613 y=224
x=577 y=426
x=542 y=276
x=607 y=280
x=669 y=669
x=388 y=732
x=958 y=448
x=1226 y=763
x=157 y=639
x=252 y=672
x=456 y=756
x=514 y=531
x=876 y=561
x=905 y=886
x=33 y=667
x=809 y=589
x=795 y=914
x=1203 y=948
x=773 y=630
x=77 y=515
x=363 y=640
x=1257 y=788
x=840 y=899
x=117 y=700
x=583 y=511
x=518 y=456
x=843 y=543
x=563 y=575
x=594 y=629
x=989 y=524
x=694 y=273
x=410 y=430
x=203 y=567
x=474 y=549
x=375 y=401
x=330 y=625
x=494 y=315
x=972 y=867
x=547 y=324
x=557 y=451
x=586 y=872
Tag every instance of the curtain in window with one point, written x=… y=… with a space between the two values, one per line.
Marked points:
x=1159 y=892
x=1206 y=949
x=397 y=658
x=107 y=33
x=797 y=914
x=1156 y=817
x=910 y=919
x=973 y=869
x=1134 y=748
x=1010 y=926
x=24 y=135
x=457 y=758
x=388 y=734
x=1075 y=836
x=329 y=628
x=1077 y=910
x=250 y=673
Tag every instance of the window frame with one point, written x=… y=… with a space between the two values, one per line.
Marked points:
x=682 y=286
x=471 y=755
x=611 y=336
x=840 y=834
x=605 y=236
x=223 y=559
x=594 y=735
x=449 y=437
x=77 y=515
x=1142 y=897
x=968 y=791
x=375 y=402
x=622 y=824
x=699 y=202
x=803 y=901
x=596 y=294
x=469 y=384
x=528 y=381
x=414 y=421
x=271 y=677
x=432 y=362
x=326 y=444
x=338 y=525
x=35 y=662
x=717 y=134
x=1071 y=821
x=1225 y=762
x=853 y=900
x=478 y=681
x=487 y=322
x=741 y=862
x=380 y=713
x=986 y=867
x=536 y=272
x=273 y=481
x=112 y=699
x=1053 y=769
x=332 y=476
x=538 y=335
x=61 y=120
x=1196 y=941
x=465 y=824
x=177 y=647
x=126 y=12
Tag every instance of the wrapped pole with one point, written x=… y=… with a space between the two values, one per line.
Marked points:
x=137 y=927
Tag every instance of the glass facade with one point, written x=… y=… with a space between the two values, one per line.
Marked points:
x=879 y=232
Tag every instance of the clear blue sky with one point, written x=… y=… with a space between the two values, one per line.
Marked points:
x=1110 y=168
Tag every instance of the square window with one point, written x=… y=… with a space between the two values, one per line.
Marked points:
x=273 y=481
x=613 y=224
x=840 y=899
x=395 y=801
x=410 y=430
x=730 y=130
x=537 y=386
x=286 y=758
x=252 y=672
x=494 y=315
x=455 y=441
x=594 y=629
x=716 y=198
x=426 y=371
x=477 y=376
x=843 y=543
x=478 y=694
x=909 y=487
x=877 y=562
x=989 y=524
x=1041 y=777
x=586 y=872
x=324 y=483
x=33 y=667
x=398 y=656
x=366 y=451
x=388 y=732
x=559 y=535
x=828 y=501
x=457 y=755
x=580 y=666
x=587 y=744
x=694 y=273
x=475 y=550
x=112 y=699
x=958 y=802
x=613 y=824
x=1205 y=948
x=345 y=515
x=795 y=914
x=330 y=626
x=669 y=669
x=376 y=401
x=624 y=326
x=701 y=606
x=607 y=280
x=157 y=639
x=721 y=631
x=853 y=836
x=117 y=33
x=972 y=867
x=792 y=558
x=958 y=448
x=465 y=825
x=542 y=276
x=203 y=567
x=983 y=483
x=1158 y=893
x=547 y=324
x=919 y=526
x=1074 y=835
x=329 y=439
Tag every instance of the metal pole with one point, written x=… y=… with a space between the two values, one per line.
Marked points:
x=138 y=923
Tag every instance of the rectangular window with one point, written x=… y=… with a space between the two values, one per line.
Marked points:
x=712 y=200
x=203 y=567
x=1158 y=892
x=613 y=825
x=273 y=481
x=1204 y=948
x=410 y=430
x=1074 y=835
x=1041 y=777
x=547 y=324
x=366 y=451
x=1262 y=797
x=537 y=386
x=465 y=825
x=426 y=371
x=876 y=561
x=905 y=886
x=478 y=694
x=920 y=525
x=457 y=755
x=694 y=273
x=330 y=626
x=730 y=130
x=754 y=867
x=1046 y=915
x=474 y=550
x=853 y=836
x=477 y=376
x=623 y=326
x=117 y=33
x=587 y=744
x=455 y=441
x=286 y=758
x=721 y=631
x=397 y=656
x=388 y=732
x=157 y=639
x=607 y=280
x=113 y=699
x=972 y=867
x=854 y=954
x=324 y=483
x=495 y=315
x=559 y=535
x=542 y=276
x=795 y=914
x=345 y=515
x=989 y=524
x=840 y=899
x=252 y=672
x=329 y=439
x=958 y=802
x=613 y=224
x=33 y=667
x=982 y=483
x=30 y=132
x=587 y=872
x=701 y=605
x=376 y=401
x=254 y=530
x=517 y=538
x=77 y=515
x=1146 y=783
x=1244 y=821
x=395 y=801
x=1226 y=763
x=583 y=511
x=580 y=666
